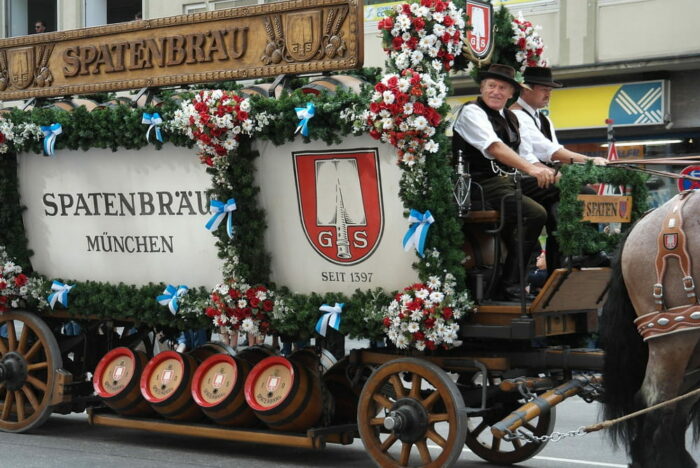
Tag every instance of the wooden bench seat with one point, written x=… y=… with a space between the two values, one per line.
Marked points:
x=483 y=217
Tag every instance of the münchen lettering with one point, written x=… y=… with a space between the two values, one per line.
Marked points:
x=161 y=52
x=162 y=203
x=129 y=244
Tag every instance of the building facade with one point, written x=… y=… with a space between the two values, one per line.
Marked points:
x=635 y=61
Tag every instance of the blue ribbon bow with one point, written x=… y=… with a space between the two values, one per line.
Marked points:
x=304 y=114
x=219 y=211
x=171 y=296
x=50 y=134
x=330 y=318
x=61 y=294
x=416 y=234
x=153 y=121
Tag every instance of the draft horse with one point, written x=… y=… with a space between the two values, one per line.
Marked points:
x=650 y=328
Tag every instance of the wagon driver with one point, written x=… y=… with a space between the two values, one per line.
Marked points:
x=489 y=137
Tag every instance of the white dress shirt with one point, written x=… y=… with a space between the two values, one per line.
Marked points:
x=474 y=126
x=533 y=143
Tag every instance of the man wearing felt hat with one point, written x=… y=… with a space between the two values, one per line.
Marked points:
x=488 y=136
x=538 y=138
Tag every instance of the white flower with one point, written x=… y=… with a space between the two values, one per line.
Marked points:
x=401 y=342
x=245 y=105
x=412 y=327
x=437 y=297
x=248 y=325
x=242 y=303
x=422 y=293
x=420 y=123
x=417 y=315
x=431 y=146
x=388 y=97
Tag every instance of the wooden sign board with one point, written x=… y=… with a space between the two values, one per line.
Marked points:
x=300 y=36
x=606 y=208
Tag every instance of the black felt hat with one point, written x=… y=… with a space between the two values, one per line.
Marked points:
x=500 y=72
x=540 y=76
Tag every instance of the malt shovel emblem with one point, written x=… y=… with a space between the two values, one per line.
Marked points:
x=21 y=65
x=339 y=177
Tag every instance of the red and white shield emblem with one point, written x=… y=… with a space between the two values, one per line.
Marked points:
x=623 y=209
x=670 y=241
x=480 y=34
x=340 y=202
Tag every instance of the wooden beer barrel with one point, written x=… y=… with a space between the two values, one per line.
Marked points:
x=201 y=353
x=255 y=354
x=116 y=381
x=217 y=387
x=285 y=395
x=165 y=384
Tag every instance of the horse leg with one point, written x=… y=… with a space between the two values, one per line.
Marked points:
x=661 y=434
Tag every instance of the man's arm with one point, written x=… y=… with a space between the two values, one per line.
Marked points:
x=505 y=155
x=567 y=156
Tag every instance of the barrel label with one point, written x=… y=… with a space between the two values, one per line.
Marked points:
x=273 y=382
x=118 y=372
x=264 y=400
x=218 y=381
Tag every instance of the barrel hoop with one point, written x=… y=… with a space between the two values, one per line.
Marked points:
x=300 y=409
x=177 y=412
x=241 y=409
x=133 y=404
x=282 y=406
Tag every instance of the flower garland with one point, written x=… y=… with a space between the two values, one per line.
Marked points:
x=404 y=112
x=425 y=315
x=530 y=45
x=423 y=35
x=241 y=307
x=16 y=136
x=17 y=290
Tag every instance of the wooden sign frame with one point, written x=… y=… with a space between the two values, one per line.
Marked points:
x=606 y=208
x=299 y=36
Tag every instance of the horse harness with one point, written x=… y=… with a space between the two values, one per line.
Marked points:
x=672 y=243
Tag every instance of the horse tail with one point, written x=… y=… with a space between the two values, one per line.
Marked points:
x=626 y=355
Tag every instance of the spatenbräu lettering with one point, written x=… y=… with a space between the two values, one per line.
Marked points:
x=162 y=203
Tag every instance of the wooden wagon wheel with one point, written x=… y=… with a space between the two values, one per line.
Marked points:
x=485 y=445
x=29 y=357
x=410 y=402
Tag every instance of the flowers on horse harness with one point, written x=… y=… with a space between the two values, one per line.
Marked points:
x=423 y=33
x=241 y=307
x=527 y=39
x=425 y=315
x=404 y=112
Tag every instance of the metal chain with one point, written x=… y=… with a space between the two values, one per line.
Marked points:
x=553 y=437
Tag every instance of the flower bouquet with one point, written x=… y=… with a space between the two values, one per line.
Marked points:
x=14 y=285
x=241 y=307
x=530 y=45
x=404 y=111
x=214 y=120
x=423 y=34
x=425 y=315
x=17 y=135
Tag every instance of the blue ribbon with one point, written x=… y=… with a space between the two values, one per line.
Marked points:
x=61 y=294
x=50 y=134
x=171 y=296
x=416 y=234
x=330 y=318
x=304 y=114
x=219 y=211
x=153 y=121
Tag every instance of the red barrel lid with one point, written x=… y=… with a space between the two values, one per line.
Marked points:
x=269 y=383
x=114 y=372
x=162 y=376
x=214 y=380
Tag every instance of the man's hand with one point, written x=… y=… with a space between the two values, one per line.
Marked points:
x=543 y=174
x=597 y=161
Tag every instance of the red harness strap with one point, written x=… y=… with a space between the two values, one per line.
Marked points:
x=672 y=243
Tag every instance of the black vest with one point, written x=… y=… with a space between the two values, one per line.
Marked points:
x=507 y=129
x=544 y=126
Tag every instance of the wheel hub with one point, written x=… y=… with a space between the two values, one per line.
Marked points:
x=408 y=419
x=13 y=370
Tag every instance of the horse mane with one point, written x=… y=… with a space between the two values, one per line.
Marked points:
x=626 y=355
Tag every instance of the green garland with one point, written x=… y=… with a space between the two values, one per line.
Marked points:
x=576 y=237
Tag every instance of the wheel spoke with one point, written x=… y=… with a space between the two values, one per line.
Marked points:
x=479 y=429
x=530 y=427
x=386 y=445
x=495 y=444
x=430 y=400
x=36 y=383
x=398 y=386
x=405 y=453
x=19 y=397
x=438 y=417
x=382 y=401
x=38 y=366
x=415 y=386
x=23 y=338
x=31 y=397
x=11 y=335
x=424 y=452
x=517 y=444
x=7 y=406
x=33 y=350
x=435 y=437
x=376 y=422
x=3 y=345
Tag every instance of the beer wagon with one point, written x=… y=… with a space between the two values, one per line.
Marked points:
x=321 y=214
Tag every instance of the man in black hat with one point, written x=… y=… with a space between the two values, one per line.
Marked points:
x=539 y=138
x=488 y=135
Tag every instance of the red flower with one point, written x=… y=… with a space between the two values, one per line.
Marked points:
x=268 y=305
x=21 y=280
x=220 y=150
x=234 y=293
x=430 y=344
x=412 y=42
x=419 y=336
x=254 y=302
x=418 y=23
x=396 y=43
x=2 y=138
x=201 y=107
x=387 y=23
x=3 y=285
x=211 y=312
x=448 y=21
x=447 y=313
x=406 y=9
x=440 y=6
x=429 y=322
x=387 y=322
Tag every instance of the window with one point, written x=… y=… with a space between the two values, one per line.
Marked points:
x=99 y=12
x=194 y=8
x=23 y=15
